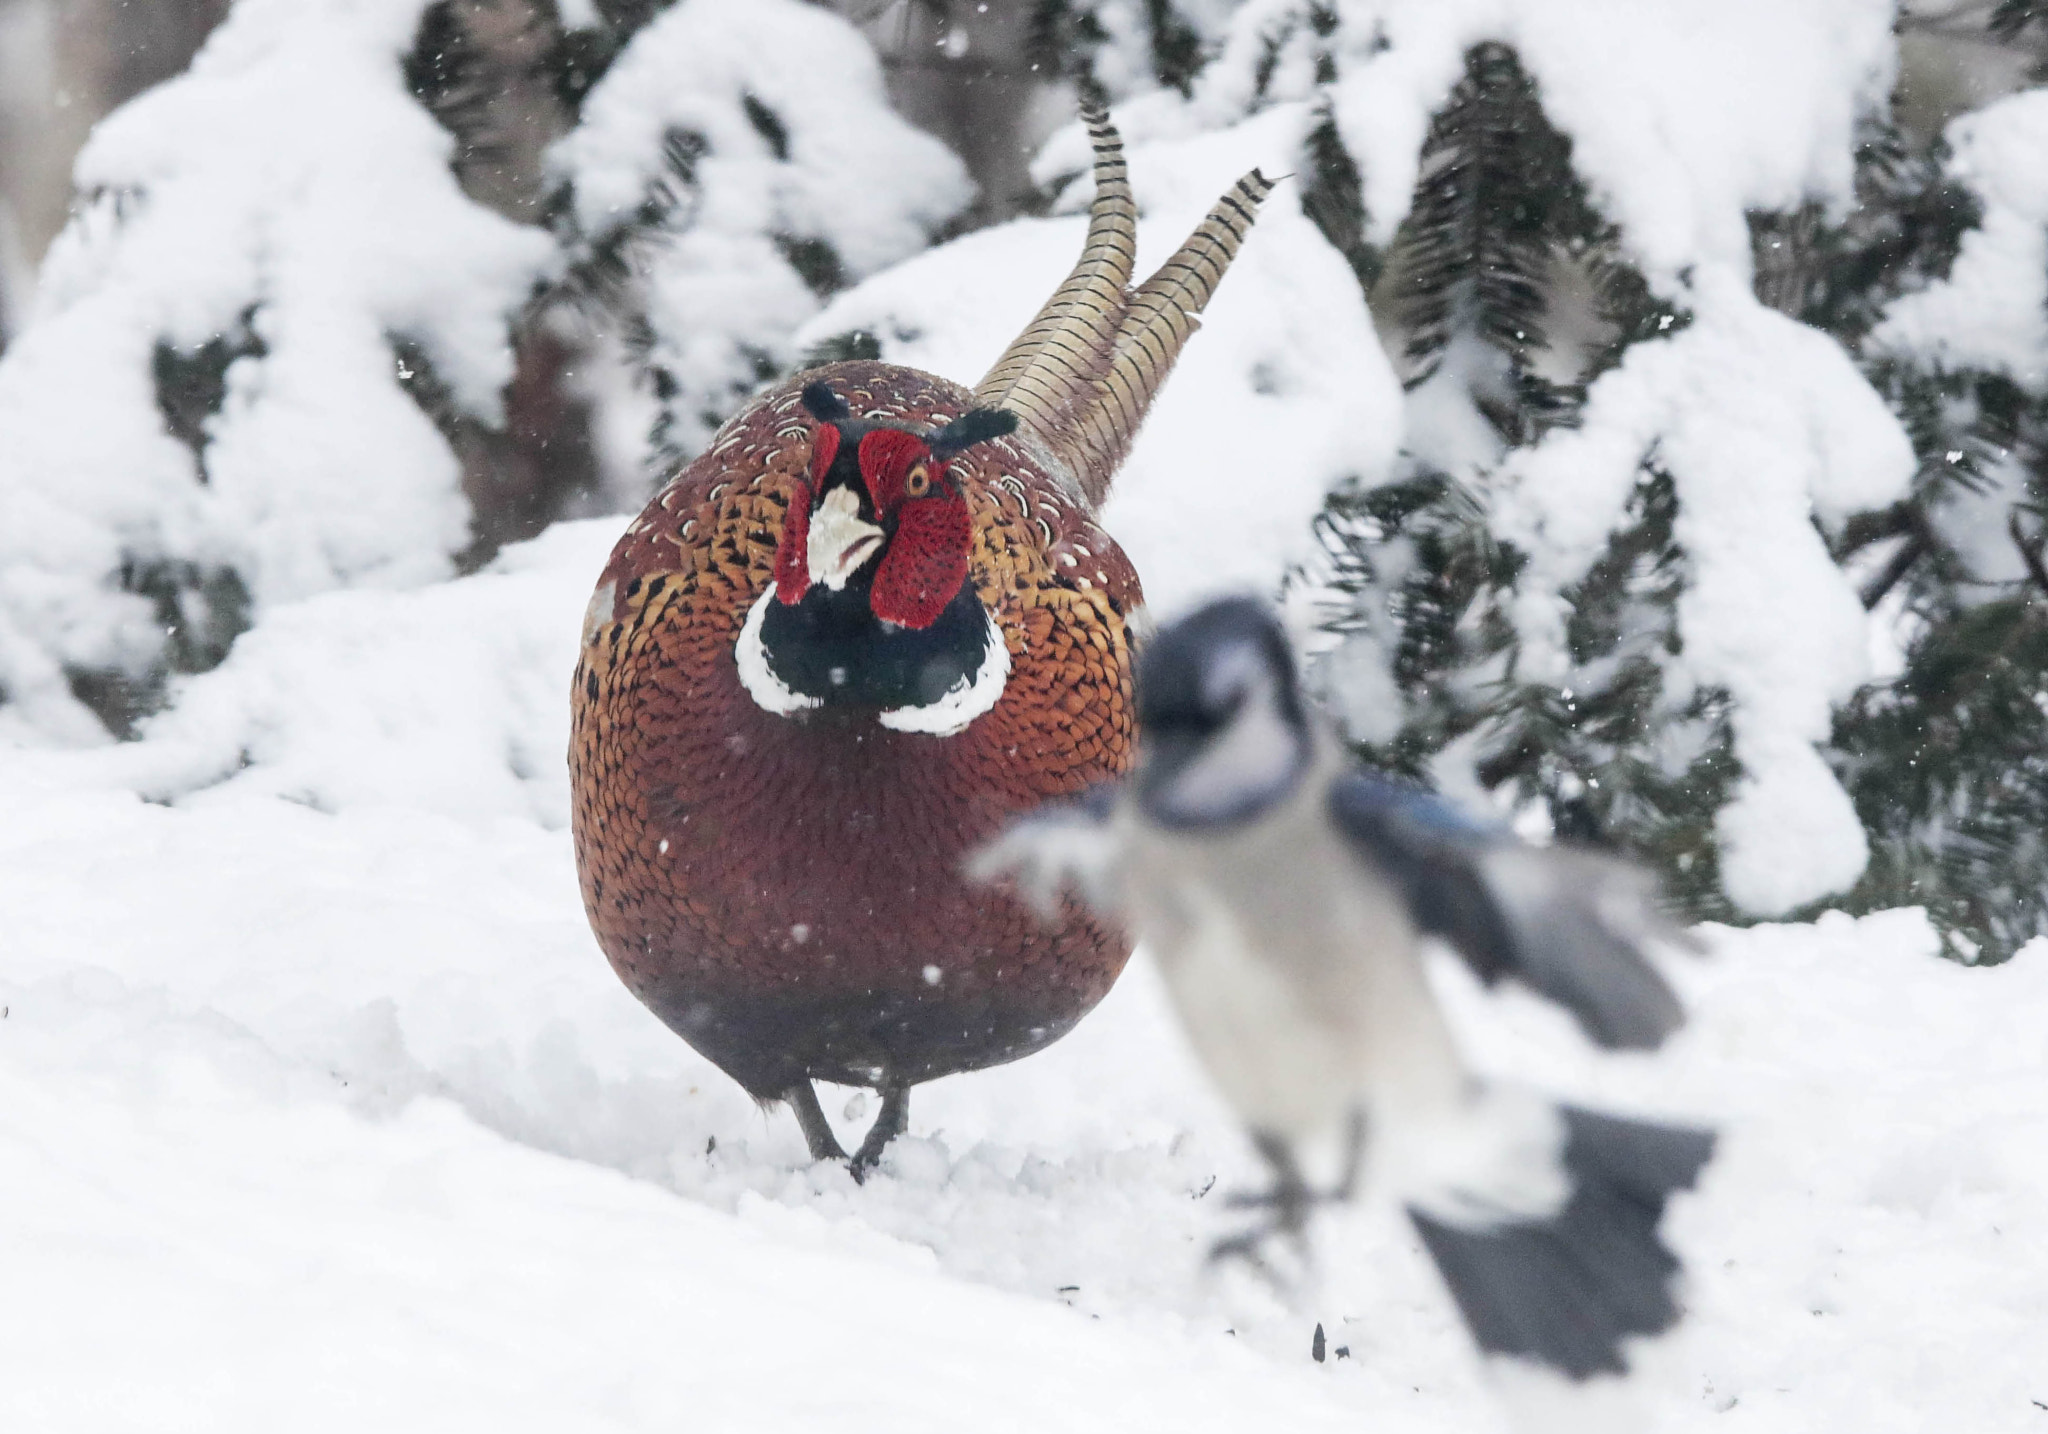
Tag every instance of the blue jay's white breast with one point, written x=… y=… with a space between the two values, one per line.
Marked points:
x=1278 y=1063
x=1295 y=970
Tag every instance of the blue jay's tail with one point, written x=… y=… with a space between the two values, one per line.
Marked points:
x=1564 y=1291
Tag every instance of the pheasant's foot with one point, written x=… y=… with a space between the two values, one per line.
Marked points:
x=891 y=1122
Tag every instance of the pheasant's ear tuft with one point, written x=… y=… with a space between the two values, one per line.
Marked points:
x=825 y=405
x=977 y=426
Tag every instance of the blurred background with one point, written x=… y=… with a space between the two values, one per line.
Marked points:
x=971 y=72
x=961 y=69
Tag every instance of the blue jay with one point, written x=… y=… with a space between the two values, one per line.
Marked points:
x=1285 y=895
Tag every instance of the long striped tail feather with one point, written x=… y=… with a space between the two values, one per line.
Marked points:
x=1085 y=370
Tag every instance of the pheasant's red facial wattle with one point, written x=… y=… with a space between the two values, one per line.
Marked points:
x=925 y=565
x=792 y=554
x=925 y=561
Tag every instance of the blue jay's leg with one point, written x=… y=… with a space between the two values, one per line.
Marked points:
x=1291 y=1198
x=893 y=1120
x=1354 y=1157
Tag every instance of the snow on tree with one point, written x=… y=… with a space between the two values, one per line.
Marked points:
x=276 y=303
x=207 y=410
x=1126 y=47
x=1689 y=385
x=1947 y=761
x=735 y=166
x=1598 y=407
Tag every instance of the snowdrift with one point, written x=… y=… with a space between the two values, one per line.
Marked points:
x=321 y=1109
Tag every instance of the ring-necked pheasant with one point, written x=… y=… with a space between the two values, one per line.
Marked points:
x=871 y=623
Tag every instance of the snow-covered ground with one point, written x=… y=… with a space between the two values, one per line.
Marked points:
x=320 y=1109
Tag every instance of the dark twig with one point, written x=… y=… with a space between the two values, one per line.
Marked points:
x=1909 y=553
x=2030 y=552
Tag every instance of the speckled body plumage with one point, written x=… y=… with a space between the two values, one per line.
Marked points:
x=729 y=856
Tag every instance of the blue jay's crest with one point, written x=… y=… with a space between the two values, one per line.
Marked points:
x=1286 y=896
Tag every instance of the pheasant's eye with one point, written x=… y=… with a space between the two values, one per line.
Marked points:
x=919 y=481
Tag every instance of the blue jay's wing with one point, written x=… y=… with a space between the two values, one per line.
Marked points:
x=1061 y=844
x=1571 y=924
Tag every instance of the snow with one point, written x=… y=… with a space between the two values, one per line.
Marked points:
x=1681 y=124
x=832 y=163
x=289 y=1264
x=321 y=1106
x=1992 y=310
x=360 y=698
x=1764 y=425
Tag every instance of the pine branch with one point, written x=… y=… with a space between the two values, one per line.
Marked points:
x=2013 y=16
x=1499 y=221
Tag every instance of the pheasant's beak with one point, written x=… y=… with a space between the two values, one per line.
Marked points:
x=840 y=540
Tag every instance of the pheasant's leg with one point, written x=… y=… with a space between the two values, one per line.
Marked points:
x=892 y=1122
x=803 y=1099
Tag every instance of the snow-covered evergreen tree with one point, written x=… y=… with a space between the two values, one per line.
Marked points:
x=277 y=306
x=1946 y=761
x=735 y=166
x=1621 y=480
x=1690 y=386
x=1126 y=47
x=206 y=410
